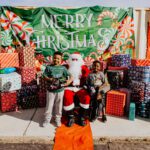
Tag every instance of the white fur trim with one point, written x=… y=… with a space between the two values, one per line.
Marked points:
x=76 y=56
x=74 y=89
x=85 y=106
x=69 y=107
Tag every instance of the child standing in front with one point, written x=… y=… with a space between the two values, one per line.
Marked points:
x=95 y=86
x=57 y=77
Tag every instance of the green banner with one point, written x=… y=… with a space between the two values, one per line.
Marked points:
x=96 y=32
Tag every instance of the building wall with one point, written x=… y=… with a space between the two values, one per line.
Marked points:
x=141 y=18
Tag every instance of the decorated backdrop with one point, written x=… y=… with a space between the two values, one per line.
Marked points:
x=96 y=32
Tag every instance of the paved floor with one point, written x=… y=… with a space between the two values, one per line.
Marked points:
x=26 y=123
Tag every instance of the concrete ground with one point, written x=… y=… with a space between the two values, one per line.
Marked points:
x=25 y=125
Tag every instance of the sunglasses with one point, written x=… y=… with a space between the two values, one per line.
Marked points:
x=74 y=59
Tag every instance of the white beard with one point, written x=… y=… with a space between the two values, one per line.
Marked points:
x=75 y=70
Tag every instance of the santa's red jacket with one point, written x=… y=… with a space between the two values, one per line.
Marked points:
x=82 y=94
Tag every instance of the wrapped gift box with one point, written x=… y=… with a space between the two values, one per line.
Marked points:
x=140 y=62
x=125 y=73
x=133 y=74
x=137 y=90
x=42 y=84
x=27 y=96
x=115 y=103
x=147 y=91
x=128 y=98
x=139 y=73
x=120 y=60
x=27 y=91
x=42 y=99
x=9 y=60
x=143 y=109
x=26 y=56
x=28 y=75
x=29 y=102
x=10 y=82
x=115 y=78
x=8 y=101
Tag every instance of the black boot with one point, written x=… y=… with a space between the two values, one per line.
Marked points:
x=104 y=118
x=93 y=111
x=70 y=117
x=82 y=116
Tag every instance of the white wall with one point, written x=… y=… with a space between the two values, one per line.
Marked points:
x=141 y=18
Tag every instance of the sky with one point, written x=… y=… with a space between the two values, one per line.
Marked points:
x=77 y=3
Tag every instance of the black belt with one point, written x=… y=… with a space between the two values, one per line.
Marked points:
x=77 y=86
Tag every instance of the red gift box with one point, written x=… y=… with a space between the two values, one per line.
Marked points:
x=117 y=68
x=26 y=56
x=115 y=103
x=42 y=99
x=28 y=75
x=128 y=98
x=140 y=62
x=8 y=101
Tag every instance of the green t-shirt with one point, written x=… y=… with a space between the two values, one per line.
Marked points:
x=57 y=72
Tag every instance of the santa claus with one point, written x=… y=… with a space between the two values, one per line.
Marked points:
x=79 y=71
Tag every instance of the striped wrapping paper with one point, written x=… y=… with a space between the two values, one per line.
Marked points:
x=140 y=62
x=10 y=82
x=26 y=56
x=9 y=60
x=8 y=101
x=120 y=60
x=28 y=75
x=137 y=90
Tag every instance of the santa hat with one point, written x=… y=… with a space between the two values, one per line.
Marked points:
x=76 y=55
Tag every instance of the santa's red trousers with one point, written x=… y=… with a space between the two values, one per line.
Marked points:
x=83 y=96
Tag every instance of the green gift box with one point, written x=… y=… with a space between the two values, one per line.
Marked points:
x=132 y=111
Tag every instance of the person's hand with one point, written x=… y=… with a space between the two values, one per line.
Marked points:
x=51 y=79
x=99 y=97
x=67 y=83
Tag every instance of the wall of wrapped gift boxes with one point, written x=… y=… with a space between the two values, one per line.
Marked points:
x=129 y=79
x=18 y=83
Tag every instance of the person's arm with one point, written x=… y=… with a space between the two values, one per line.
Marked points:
x=103 y=82
x=69 y=81
x=101 y=88
x=45 y=74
